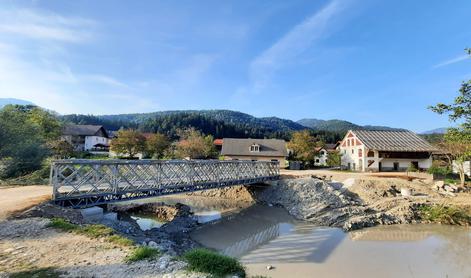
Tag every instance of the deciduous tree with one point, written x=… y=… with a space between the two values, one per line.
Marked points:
x=457 y=141
x=128 y=142
x=303 y=145
x=157 y=144
x=194 y=145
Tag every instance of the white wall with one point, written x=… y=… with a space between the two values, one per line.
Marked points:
x=321 y=159
x=91 y=141
x=351 y=154
x=467 y=168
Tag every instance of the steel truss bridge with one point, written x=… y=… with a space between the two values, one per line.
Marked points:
x=85 y=183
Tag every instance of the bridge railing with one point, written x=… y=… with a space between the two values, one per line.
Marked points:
x=84 y=182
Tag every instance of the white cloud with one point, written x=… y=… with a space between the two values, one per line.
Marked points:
x=451 y=61
x=39 y=25
x=294 y=43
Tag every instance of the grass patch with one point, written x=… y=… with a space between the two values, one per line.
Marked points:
x=445 y=214
x=120 y=240
x=47 y=272
x=142 y=253
x=207 y=261
x=62 y=224
x=92 y=231
x=96 y=231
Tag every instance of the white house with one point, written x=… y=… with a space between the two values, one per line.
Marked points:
x=376 y=151
x=92 y=138
x=323 y=154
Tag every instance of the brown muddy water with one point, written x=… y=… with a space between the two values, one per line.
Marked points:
x=262 y=236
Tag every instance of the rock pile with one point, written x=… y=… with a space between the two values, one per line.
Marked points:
x=445 y=189
x=329 y=204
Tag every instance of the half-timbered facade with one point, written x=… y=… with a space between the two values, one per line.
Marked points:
x=376 y=151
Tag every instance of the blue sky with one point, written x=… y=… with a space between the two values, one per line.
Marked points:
x=368 y=62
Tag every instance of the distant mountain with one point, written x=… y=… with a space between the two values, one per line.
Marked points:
x=340 y=126
x=441 y=130
x=6 y=101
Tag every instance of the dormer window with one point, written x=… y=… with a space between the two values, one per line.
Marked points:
x=255 y=148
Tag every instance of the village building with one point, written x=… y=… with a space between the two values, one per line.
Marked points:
x=255 y=150
x=320 y=159
x=376 y=151
x=92 y=138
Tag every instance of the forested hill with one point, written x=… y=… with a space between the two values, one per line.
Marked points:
x=219 y=123
x=338 y=125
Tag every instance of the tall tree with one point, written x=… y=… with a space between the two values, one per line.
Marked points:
x=157 y=144
x=460 y=109
x=128 y=142
x=194 y=145
x=24 y=134
x=304 y=146
x=457 y=141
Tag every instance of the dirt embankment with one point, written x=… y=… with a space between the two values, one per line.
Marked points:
x=235 y=193
x=17 y=199
x=356 y=204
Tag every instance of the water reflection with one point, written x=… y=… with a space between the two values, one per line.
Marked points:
x=254 y=227
x=208 y=216
x=146 y=222
x=262 y=235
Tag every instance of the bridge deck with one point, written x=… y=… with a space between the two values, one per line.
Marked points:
x=84 y=183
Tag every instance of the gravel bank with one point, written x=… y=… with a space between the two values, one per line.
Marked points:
x=29 y=243
x=364 y=204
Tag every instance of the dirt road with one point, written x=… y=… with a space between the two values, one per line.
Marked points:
x=16 y=199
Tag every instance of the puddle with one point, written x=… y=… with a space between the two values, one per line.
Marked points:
x=146 y=222
x=204 y=209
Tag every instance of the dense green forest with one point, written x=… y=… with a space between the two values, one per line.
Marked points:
x=218 y=123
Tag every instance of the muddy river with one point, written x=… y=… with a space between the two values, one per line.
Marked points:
x=260 y=236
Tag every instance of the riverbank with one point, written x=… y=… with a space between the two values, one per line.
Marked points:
x=352 y=204
x=359 y=202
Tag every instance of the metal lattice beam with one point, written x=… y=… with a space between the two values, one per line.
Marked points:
x=84 y=183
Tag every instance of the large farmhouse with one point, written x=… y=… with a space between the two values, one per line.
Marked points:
x=376 y=151
x=86 y=137
x=255 y=149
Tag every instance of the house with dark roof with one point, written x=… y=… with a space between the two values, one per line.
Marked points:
x=376 y=151
x=92 y=138
x=255 y=150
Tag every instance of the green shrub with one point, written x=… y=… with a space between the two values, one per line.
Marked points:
x=203 y=260
x=445 y=214
x=437 y=170
x=142 y=253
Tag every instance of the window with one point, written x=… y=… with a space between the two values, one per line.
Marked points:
x=255 y=148
x=353 y=151
x=360 y=153
x=317 y=160
x=371 y=154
